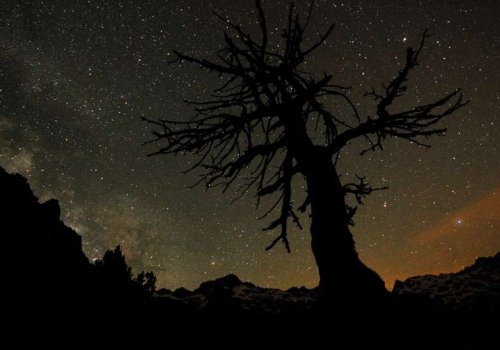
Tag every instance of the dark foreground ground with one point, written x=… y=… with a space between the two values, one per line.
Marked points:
x=54 y=298
x=406 y=324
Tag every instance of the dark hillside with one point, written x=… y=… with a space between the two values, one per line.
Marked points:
x=56 y=299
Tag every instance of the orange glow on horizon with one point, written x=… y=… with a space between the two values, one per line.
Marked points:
x=453 y=242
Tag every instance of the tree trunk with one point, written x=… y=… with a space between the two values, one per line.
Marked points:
x=342 y=274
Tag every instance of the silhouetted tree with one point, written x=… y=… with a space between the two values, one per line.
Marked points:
x=268 y=122
x=113 y=264
x=116 y=278
x=146 y=281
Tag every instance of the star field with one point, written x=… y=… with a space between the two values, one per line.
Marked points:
x=75 y=78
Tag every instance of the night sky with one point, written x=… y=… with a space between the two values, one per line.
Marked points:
x=76 y=76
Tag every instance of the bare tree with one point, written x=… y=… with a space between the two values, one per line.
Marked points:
x=267 y=123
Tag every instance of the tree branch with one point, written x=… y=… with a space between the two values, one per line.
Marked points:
x=411 y=124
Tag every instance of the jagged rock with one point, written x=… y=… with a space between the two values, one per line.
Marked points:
x=230 y=294
x=182 y=293
x=46 y=255
x=475 y=288
x=50 y=210
x=224 y=283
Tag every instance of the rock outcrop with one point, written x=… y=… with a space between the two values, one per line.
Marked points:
x=475 y=288
x=230 y=294
x=44 y=257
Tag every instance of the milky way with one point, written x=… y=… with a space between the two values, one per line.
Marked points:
x=75 y=78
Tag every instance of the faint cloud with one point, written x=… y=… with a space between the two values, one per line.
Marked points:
x=464 y=223
x=457 y=239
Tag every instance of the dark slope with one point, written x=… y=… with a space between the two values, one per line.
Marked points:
x=475 y=288
x=44 y=258
x=56 y=299
x=53 y=296
x=36 y=241
x=45 y=269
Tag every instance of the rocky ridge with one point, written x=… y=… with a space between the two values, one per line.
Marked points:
x=476 y=287
x=229 y=293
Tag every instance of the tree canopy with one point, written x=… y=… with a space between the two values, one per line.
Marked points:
x=261 y=124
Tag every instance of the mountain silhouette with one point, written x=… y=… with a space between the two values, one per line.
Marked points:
x=57 y=299
x=230 y=294
x=475 y=288
x=45 y=256
x=51 y=287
